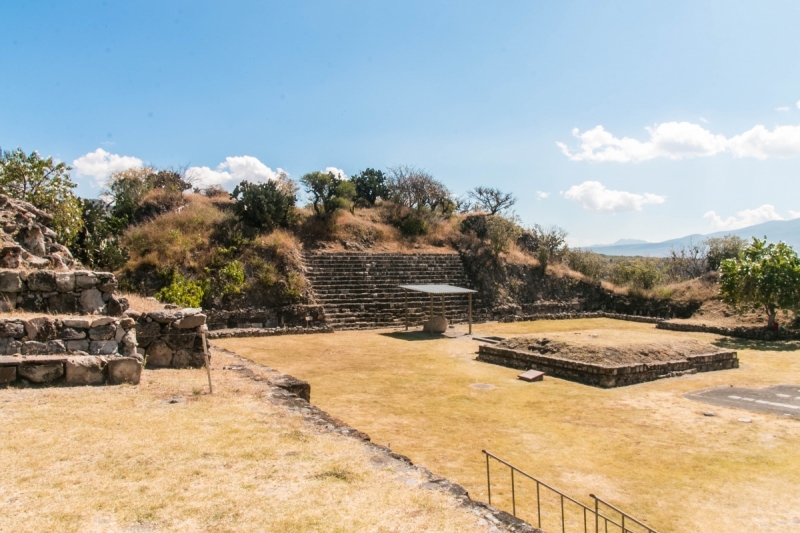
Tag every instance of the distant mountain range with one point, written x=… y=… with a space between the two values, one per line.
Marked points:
x=787 y=231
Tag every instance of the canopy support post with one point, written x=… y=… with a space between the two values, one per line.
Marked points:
x=431 y=306
x=470 y=313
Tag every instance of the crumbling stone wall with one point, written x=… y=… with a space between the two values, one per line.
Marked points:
x=106 y=336
x=170 y=338
x=25 y=239
x=60 y=292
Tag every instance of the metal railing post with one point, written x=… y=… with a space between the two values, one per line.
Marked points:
x=513 y=495
x=488 y=479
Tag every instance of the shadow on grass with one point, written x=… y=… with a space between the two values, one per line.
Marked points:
x=413 y=335
x=732 y=343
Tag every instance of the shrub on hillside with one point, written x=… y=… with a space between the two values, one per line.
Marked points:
x=182 y=291
x=328 y=192
x=416 y=189
x=97 y=244
x=501 y=233
x=722 y=248
x=638 y=274
x=370 y=185
x=140 y=194
x=588 y=263
x=265 y=206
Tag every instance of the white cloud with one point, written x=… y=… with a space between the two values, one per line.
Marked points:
x=232 y=171
x=793 y=214
x=541 y=195
x=680 y=140
x=338 y=172
x=784 y=108
x=761 y=143
x=746 y=217
x=798 y=104
x=100 y=164
x=703 y=120
x=594 y=196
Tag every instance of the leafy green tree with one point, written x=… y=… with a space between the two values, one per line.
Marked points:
x=97 y=244
x=721 y=248
x=45 y=184
x=139 y=194
x=370 y=185
x=764 y=276
x=328 y=192
x=264 y=206
x=501 y=232
x=182 y=291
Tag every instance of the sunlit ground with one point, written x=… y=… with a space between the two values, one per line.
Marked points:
x=645 y=448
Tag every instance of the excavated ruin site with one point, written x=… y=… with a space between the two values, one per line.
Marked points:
x=336 y=400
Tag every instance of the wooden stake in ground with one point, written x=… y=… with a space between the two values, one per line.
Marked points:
x=203 y=331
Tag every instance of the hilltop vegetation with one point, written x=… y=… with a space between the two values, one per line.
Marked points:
x=167 y=237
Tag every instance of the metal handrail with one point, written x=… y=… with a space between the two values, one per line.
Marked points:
x=598 y=516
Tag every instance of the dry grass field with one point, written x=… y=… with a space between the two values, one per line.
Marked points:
x=645 y=448
x=166 y=456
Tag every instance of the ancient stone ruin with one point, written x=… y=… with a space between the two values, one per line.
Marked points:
x=86 y=335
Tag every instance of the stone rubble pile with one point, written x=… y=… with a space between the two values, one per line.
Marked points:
x=26 y=241
x=106 y=336
x=170 y=338
x=61 y=292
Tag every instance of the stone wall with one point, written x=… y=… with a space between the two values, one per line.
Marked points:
x=607 y=376
x=580 y=314
x=60 y=292
x=266 y=317
x=743 y=332
x=267 y=332
x=170 y=338
x=104 y=336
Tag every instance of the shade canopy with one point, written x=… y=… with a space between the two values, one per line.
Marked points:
x=437 y=289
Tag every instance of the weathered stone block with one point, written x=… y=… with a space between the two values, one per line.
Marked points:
x=124 y=370
x=78 y=346
x=42 y=281
x=106 y=281
x=102 y=347
x=65 y=281
x=10 y=282
x=163 y=317
x=117 y=306
x=85 y=280
x=85 y=370
x=63 y=303
x=103 y=321
x=56 y=347
x=8 y=302
x=7 y=374
x=33 y=348
x=159 y=355
x=71 y=334
x=178 y=339
x=41 y=329
x=41 y=373
x=127 y=322
x=129 y=338
x=81 y=323
x=189 y=322
x=12 y=329
x=103 y=333
x=32 y=302
x=92 y=301
x=147 y=332
x=10 y=255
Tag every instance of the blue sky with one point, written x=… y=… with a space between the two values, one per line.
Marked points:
x=477 y=93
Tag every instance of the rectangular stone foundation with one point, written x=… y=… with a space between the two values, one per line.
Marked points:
x=607 y=376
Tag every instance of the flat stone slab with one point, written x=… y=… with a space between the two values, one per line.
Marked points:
x=781 y=400
x=531 y=375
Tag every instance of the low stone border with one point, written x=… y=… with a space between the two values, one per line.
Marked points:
x=281 y=395
x=582 y=314
x=607 y=376
x=69 y=370
x=743 y=332
x=266 y=332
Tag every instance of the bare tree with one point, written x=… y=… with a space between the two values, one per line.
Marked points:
x=688 y=261
x=415 y=188
x=492 y=200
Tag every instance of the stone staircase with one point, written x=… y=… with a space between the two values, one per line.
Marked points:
x=360 y=290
